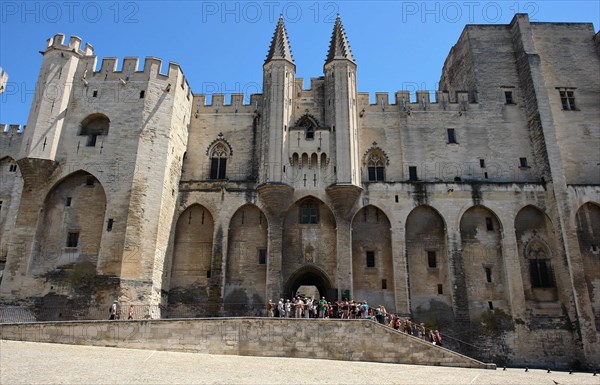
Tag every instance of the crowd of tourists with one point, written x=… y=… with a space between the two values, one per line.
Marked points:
x=309 y=307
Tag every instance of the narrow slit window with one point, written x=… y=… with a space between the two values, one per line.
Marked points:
x=488 y=274
x=412 y=173
x=523 y=162
x=262 y=256
x=440 y=289
x=72 y=239
x=432 y=259
x=489 y=224
x=508 y=97
x=370 y=259
x=451 y=135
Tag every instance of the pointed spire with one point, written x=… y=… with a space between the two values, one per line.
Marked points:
x=280 y=45
x=339 y=48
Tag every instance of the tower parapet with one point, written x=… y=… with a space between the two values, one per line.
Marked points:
x=444 y=101
x=3 y=80
x=11 y=139
x=218 y=104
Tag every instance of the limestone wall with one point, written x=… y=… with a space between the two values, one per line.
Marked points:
x=359 y=340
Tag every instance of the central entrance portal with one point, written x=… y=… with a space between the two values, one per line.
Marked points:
x=310 y=276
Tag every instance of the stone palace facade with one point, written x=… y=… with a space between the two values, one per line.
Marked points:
x=477 y=212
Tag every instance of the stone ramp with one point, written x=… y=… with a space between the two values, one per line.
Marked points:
x=349 y=340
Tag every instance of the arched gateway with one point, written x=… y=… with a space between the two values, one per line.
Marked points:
x=310 y=275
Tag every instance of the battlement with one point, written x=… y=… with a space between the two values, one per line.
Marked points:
x=128 y=71
x=218 y=105
x=11 y=140
x=58 y=42
x=459 y=101
x=12 y=129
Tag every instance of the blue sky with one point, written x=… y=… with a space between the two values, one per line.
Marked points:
x=221 y=46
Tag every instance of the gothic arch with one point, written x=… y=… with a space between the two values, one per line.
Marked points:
x=376 y=150
x=428 y=264
x=536 y=243
x=192 y=255
x=96 y=122
x=219 y=152
x=310 y=236
x=245 y=278
x=223 y=143
x=92 y=126
x=71 y=223
x=372 y=261
x=481 y=237
x=307 y=120
x=310 y=275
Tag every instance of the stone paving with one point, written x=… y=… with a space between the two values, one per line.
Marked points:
x=41 y=363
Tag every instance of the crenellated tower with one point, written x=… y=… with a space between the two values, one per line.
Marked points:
x=53 y=92
x=279 y=72
x=340 y=105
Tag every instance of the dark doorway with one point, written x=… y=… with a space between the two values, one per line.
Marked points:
x=310 y=276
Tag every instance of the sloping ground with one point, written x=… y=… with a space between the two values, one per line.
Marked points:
x=350 y=340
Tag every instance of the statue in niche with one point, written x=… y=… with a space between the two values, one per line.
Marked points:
x=309 y=252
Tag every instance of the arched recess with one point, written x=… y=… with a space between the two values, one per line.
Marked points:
x=245 y=278
x=11 y=184
x=192 y=256
x=71 y=224
x=481 y=235
x=93 y=126
x=309 y=238
x=536 y=243
x=588 y=234
x=309 y=275
x=428 y=267
x=372 y=268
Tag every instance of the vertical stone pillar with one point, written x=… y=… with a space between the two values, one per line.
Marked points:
x=401 y=293
x=276 y=198
x=274 y=257
x=458 y=282
x=344 y=257
x=512 y=270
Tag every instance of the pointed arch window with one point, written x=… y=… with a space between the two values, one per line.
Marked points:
x=540 y=269
x=309 y=212
x=309 y=124
x=376 y=166
x=218 y=161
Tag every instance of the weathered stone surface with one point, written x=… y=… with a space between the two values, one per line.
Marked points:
x=489 y=231
x=329 y=339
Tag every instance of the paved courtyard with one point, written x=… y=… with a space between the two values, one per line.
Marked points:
x=40 y=363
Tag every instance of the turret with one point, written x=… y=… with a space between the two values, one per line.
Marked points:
x=340 y=105
x=3 y=80
x=52 y=94
x=279 y=73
